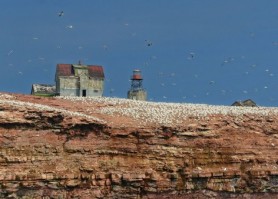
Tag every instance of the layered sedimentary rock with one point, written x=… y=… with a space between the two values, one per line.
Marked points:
x=116 y=148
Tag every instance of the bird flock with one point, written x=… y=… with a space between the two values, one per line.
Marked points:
x=143 y=112
x=162 y=113
x=203 y=72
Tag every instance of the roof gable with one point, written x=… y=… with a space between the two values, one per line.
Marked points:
x=247 y=102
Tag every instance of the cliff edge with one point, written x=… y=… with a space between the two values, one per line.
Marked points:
x=70 y=147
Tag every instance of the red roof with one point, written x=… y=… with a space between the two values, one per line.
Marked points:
x=64 y=70
x=67 y=70
x=95 y=71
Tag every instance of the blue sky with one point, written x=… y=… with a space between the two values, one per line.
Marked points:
x=213 y=52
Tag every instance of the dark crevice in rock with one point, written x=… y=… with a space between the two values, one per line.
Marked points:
x=18 y=125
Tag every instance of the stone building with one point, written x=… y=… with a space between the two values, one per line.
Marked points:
x=79 y=80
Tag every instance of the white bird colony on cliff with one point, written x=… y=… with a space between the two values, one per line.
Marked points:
x=144 y=112
x=165 y=113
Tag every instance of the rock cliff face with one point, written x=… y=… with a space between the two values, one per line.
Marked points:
x=116 y=148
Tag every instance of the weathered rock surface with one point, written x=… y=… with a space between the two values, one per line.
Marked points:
x=112 y=148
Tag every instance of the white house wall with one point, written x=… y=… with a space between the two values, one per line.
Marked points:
x=70 y=86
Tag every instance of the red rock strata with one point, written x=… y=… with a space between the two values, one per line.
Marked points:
x=73 y=150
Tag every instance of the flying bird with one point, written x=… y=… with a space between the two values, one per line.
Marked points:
x=105 y=47
x=212 y=82
x=69 y=26
x=61 y=14
x=191 y=55
x=228 y=60
x=10 y=52
x=148 y=43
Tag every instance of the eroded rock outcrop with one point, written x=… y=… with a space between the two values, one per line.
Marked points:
x=90 y=148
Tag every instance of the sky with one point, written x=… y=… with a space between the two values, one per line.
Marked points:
x=189 y=51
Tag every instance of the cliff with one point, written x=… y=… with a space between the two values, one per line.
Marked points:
x=66 y=147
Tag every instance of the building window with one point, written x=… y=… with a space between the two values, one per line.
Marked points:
x=96 y=91
x=83 y=93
